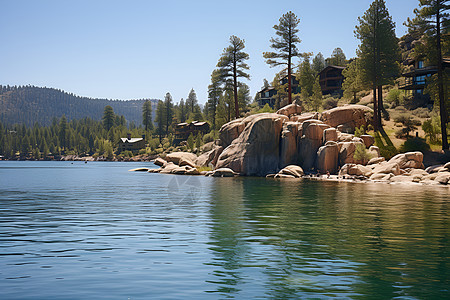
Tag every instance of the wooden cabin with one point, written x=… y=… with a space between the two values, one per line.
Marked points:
x=414 y=80
x=267 y=94
x=131 y=144
x=184 y=130
x=331 y=79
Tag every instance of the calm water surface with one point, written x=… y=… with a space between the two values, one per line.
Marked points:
x=96 y=231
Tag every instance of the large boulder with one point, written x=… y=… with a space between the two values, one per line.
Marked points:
x=347 y=152
x=349 y=115
x=160 y=162
x=207 y=158
x=175 y=157
x=223 y=172
x=291 y=109
x=288 y=144
x=409 y=160
x=355 y=170
x=310 y=142
x=330 y=134
x=292 y=170
x=307 y=152
x=230 y=131
x=368 y=140
x=387 y=168
x=256 y=151
x=328 y=158
x=305 y=116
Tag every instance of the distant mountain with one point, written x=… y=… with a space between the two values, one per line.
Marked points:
x=30 y=104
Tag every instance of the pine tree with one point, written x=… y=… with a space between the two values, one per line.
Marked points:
x=63 y=132
x=168 y=108
x=285 y=46
x=232 y=66
x=318 y=63
x=108 y=117
x=352 y=81
x=160 y=119
x=337 y=58
x=433 y=19
x=378 y=53
x=191 y=102
x=214 y=92
x=147 y=115
x=306 y=78
x=182 y=111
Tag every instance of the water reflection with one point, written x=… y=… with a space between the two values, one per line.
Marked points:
x=301 y=239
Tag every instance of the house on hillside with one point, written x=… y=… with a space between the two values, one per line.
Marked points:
x=331 y=79
x=414 y=81
x=131 y=144
x=184 y=130
x=267 y=94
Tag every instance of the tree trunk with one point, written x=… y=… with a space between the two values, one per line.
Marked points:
x=442 y=100
x=380 y=104
x=375 y=109
x=235 y=83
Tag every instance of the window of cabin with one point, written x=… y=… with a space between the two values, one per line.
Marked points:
x=267 y=94
x=420 y=64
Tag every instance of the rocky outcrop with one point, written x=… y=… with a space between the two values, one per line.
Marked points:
x=327 y=158
x=330 y=134
x=292 y=171
x=160 y=162
x=409 y=160
x=305 y=116
x=288 y=144
x=175 y=157
x=230 y=131
x=368 y=140
x=290 y=110
x=223 y=172
x=347 y=152
x=256 y=151
x=350 y=116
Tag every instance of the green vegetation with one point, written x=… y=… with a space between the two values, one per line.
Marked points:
x=378 y=53
x=232 y=66
x=285 y=46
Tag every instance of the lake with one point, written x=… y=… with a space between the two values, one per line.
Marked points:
x=70 y=230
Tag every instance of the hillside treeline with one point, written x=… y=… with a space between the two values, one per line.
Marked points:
x=30 y=104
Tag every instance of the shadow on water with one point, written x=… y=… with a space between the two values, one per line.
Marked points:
x=291 y=239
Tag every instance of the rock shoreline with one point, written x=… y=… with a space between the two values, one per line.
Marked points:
x=288 y=144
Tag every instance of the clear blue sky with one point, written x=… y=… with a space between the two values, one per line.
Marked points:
x=143 y=49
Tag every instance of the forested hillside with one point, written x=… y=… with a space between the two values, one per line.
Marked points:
x=30 y=104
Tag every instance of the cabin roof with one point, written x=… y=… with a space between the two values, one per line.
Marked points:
x=131 y=141
x=332 y=67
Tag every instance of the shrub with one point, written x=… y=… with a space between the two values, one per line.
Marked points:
x=209 y=137
x=422 y=112
x=361 y=154
x=415 y=144
x=432 y=129
x=409 y=125
x=360 y=131
x=395 y=97
x=330 y=102
x=191 y=141
x=198 y=141
x=266 y=109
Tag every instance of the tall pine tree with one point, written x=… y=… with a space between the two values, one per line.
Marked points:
x=285 y=46
x=378 y=53
x=433 y=19
x=232 y=66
